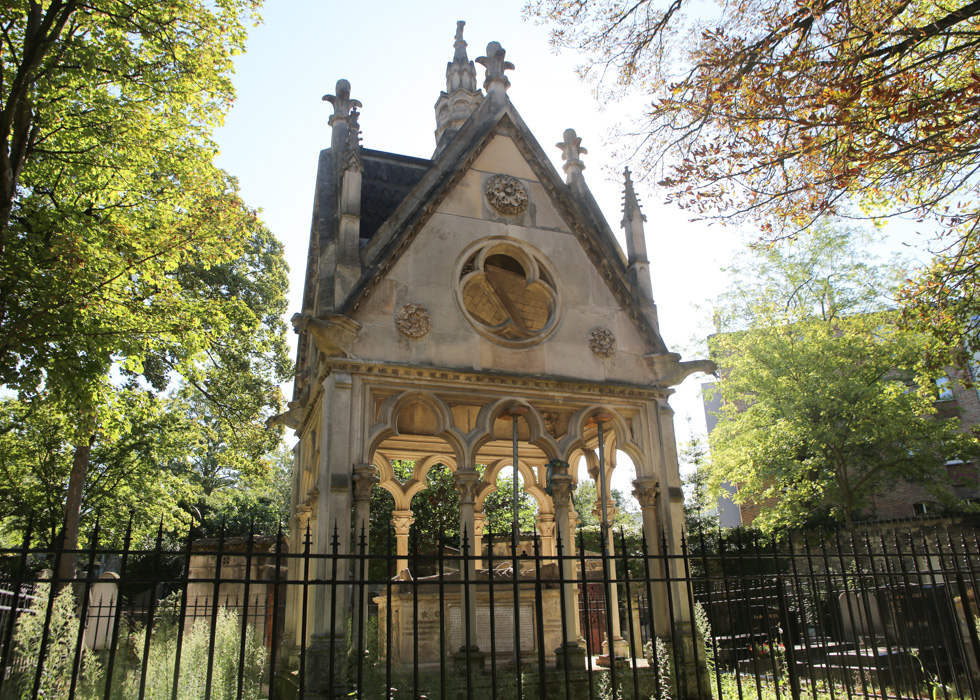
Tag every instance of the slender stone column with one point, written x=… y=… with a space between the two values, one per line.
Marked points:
x=569 y=652
x=646 y=490
x=467 y=485
x=620 y=646
x=402 y=521
x=546 y=531
x=479 y=523
x=365 y=477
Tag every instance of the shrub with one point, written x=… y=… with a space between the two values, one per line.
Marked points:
x=58 y=653
x=194 y=653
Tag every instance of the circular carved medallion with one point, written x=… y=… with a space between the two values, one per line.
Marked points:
x=506 y=194
x=413 y=320
x=602 y=341
x=508 y=292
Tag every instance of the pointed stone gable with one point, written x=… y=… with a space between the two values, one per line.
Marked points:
x=484 y=258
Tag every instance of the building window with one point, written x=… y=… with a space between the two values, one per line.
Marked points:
x=921 y=508
x=945 y=389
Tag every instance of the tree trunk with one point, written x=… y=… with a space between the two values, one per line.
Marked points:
x=73 y=510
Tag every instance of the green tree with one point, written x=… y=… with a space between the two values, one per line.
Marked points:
x=586 y=498
x=123 y=249
x=700 y=509
x=126 y=479
x=825 y=399
x=255 y=501
x=784 y=113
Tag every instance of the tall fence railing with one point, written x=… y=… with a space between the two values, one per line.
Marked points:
x=725 y=615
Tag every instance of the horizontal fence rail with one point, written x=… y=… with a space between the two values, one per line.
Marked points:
x=722 y=615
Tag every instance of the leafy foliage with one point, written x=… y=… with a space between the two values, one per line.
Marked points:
x=195 y=651
x=784 y=113
x=127 y=259
x=826 y=400
x=56 y=670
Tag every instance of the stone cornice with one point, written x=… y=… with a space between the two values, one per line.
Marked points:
x=441 y=378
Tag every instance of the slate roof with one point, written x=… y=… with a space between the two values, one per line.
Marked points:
x=386 y=180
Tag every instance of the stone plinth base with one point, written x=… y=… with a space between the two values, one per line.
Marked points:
x=570 y=655
x=605 y=661
x=472 y=657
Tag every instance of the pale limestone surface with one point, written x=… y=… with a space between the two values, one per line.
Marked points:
x=367 y=393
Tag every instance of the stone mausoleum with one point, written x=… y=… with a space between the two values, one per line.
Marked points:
x=447 y=298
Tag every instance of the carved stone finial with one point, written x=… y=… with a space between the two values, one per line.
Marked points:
x=631 y=205
x=460 y=74
x=495 y=64
x=342 y=102
x=460 y=45
x=571 y=153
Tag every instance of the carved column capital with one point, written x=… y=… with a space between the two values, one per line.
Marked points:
x=467 y=485
x=546 y=524
x=402 y=520
x=365 y=478
x=646 y=490
x=611 y=510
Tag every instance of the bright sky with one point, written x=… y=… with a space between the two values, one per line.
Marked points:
x=394 y=54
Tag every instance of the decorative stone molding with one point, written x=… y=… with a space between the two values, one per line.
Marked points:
x=506 y=194
x=602 y=341
x=647 y=491
x=333 y=333
x=413 y=320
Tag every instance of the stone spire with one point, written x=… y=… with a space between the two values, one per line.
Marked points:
x=636 y=250
x=571 y=153
x=461 y=73
x=633 y=219
x=462 y=96
x=496 y=82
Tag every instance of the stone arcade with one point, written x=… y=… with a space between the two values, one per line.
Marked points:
x=446 y=298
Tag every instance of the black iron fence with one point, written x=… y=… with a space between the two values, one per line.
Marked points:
x=725 y=615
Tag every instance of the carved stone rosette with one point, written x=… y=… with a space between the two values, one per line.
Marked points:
x=506 y=194
x=602 y=341
x=413 y=320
